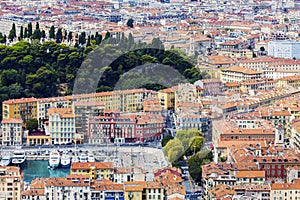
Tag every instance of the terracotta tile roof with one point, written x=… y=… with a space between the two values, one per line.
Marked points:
x=89 y=165
x=250 y=174
x=63 y=112
x=286 y=186
x=221 y=190
x=12 y=121
x=18 y=101
x=243 y=70
x=59 y=182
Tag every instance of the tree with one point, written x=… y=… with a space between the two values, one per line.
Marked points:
x=32 y=124
x=59 y=36
x=107 y=35
x=21 y=32
x=37 y=32
x=52 y=32
x=25 y=32
x=88 y=41
x=196 y=144
x=65 y=35
x=82 y=38
x=43 y=34
x=9 y=77
x=166 y=139
x=12 y=33
x=130 y=23
x=98 y=38
x=195 y=162
x=70 y=37
x=174 y=150
x=29 y=30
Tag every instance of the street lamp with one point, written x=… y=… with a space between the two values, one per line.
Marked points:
x=194 y=149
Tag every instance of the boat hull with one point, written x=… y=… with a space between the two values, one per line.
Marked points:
x=53 y=165
x=66 y=165
x=18 y=163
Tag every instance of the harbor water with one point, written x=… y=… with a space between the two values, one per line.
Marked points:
x=39 y=169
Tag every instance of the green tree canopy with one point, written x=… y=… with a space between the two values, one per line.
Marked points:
x=32 y=124
x=12 y=33
x=166 y=139
x=130 y=23
x=52 y=32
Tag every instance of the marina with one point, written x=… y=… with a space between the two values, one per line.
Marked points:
x=39 y=169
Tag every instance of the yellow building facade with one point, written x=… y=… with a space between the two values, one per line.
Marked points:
x=166 y=98
x=96 y=170
x=23 y=109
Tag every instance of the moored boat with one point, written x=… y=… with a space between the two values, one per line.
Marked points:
x=65 y=160
x=18 y=158
x=6 y=160
x=54 y=159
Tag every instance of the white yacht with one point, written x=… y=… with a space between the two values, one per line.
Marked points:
x=19 y=157
x=91 y=157
x=65 y=160
x=83 y=157
x=54 y=159
x=6 y=160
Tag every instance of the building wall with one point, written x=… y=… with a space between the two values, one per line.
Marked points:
x=284 y=49
x=62 y=129
x=23 y=109
x=11 y=183
x=12 y=132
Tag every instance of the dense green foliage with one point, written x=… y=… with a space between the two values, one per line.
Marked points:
x=166 y=139
x=195 y=162
x=38 y=69
x=186 y=143
x=32 y=124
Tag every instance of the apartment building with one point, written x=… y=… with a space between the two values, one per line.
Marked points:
x=187 y=121
x=293 y=81
x=246 y=129
x=237 y=74
x=23 y=109
x=285 y=191
x=272 y=159
x=67 y=188
x=83 y=110
x=293 y=174
x=255 y=177
x=115 y=126
x=221 y=191
x=106 y=190
x=12 y=132
x=214 y=174
x=253 y=191
x=125 y=100
x=257 y=64
x=211 y=64
x=167 y=98
x=236 y=53
x=62 y=126
x=186 y=93
x=281 y=69
x=96 y=170
x=284 y=49
x=263 y=84
x=36 y=191
x=43 y=105
x=294 y=131
x=11 y=182
x=210 y=87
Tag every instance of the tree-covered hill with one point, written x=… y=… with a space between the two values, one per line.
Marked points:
x=37 y=69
